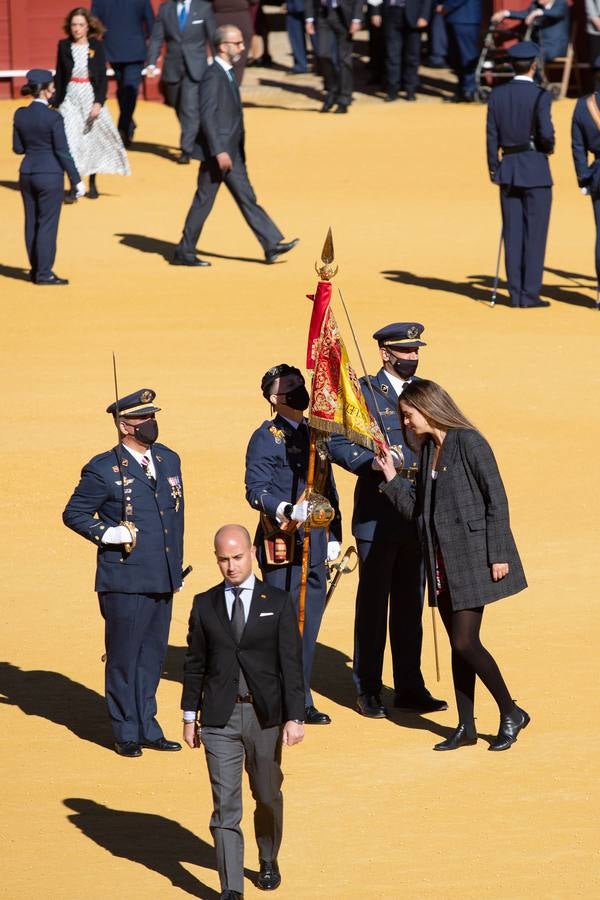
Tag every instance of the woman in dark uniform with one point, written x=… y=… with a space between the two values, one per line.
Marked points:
x=470 y=554
x=39 y=133
x=585 y=140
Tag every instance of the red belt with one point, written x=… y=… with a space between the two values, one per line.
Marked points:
x=80 y=80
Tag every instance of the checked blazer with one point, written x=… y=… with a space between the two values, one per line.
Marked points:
x=468 y=517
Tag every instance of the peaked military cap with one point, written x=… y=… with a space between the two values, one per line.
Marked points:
x=275 y=372
x=137 y=404
x=39 y=76
x=403 y=335
x=524 y=50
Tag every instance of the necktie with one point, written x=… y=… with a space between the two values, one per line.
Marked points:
x=146 y=467
x=238 y=623
x=233 y=81
x=182 y=17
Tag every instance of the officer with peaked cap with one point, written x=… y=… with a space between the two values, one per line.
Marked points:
x=520 y=135
x=391 y=581
x=276 y=471
x=39 y=135
x=129 y=505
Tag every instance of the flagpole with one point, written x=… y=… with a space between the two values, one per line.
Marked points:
x=310 y=478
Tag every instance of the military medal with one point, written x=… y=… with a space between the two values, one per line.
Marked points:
x=176 y=492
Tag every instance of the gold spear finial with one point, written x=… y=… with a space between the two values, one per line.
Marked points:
x=327 y=268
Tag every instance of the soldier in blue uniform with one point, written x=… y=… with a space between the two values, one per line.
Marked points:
x=276 y=470
x=519 y=124
x=391 y=567
x=39 y=135
x=129 y=505
x=585 y=140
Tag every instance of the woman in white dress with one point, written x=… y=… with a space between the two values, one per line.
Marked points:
x=81 y=85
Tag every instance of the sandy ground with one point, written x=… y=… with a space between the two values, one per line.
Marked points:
x=371 y=812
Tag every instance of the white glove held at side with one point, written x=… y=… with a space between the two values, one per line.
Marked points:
x=118 y=534
x=300 y=511
x=333 y=550
x=80 y=190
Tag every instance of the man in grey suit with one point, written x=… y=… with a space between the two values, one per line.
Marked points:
x=220 y=147
x=243 y=673
x=187 y=27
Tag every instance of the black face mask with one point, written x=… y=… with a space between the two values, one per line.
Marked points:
x=405 y=368
x=297 y=398
x=146 y=432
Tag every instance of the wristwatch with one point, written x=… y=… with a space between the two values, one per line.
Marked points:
x=298 y=721
x=288 y=509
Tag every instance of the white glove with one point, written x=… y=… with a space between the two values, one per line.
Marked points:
x=333 y=550
x=80 y=190
x=300 y=512
x=118 y=534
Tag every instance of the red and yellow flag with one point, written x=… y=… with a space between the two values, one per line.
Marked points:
x=337 y=404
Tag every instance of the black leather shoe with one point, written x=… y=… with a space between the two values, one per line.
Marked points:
x=52 y=280
x=231 y=895
x=462 y=736
x=92 y=194
x=328 y=104
x=193 y=261
x=342 y=108
x=370 y=705
x=389 y=98
x=183 y=159
x=269 y=877
x=280 y=248
x=410 y=97
x=162 y=744
x=422 y=702
x=510 y=726
x=312 y=716
x=535 y=304
x=70 y=197
x=128 y=748
x=468 y=98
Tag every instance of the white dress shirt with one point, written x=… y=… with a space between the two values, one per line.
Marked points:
x=139 y=457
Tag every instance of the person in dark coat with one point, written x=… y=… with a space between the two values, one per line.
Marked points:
x=334 y=22
x=39 y=135
x=471 y=559
x=243 y=678
x=520 y=125
x=128 y=27
x=276 y=472
x=463 y=23
x=187 y=27
x=220 y=146
x=585 y=141
x=129 y=505
x=403 y=25
x=549 y=21
x=389 y=596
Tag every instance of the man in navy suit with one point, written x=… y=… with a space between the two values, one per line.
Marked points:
x=129 y=505
x=391 y=573
x=520 y=125
x=549 y=20
x=585 y=140
x=220 y=146
x=403 y=24
x=463 y=22
x=187 y=27
x=276 y=471
x=128 y=26
x=335 y=22
x=243 y=678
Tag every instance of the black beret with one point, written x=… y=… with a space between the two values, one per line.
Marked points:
x=276 y=372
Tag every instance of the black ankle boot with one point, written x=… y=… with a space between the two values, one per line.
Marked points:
x=464 y=735
x=510 y=726
x=93 y=193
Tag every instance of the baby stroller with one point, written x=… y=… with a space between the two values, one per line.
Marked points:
x=493 y=67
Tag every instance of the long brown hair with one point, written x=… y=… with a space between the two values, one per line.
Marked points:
x=95 y=27
x=436 y=404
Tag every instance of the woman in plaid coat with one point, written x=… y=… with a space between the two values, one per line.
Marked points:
x=471 y=558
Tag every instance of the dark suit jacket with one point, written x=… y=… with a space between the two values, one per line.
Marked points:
x=510 y=117
x=269 y=652
x=154 y=566
x=551 y=30
x=462 y=12
x=373 y=517
x=96 y=70
x=585 y=138
x=221 y=116
x=39 y=133
x=186 y=51
x=413 y=10
x=349 y=10
x=128 y=27
x=469 y=517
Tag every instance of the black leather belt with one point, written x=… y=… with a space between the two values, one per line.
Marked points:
x=246 y=698
x=518 y=148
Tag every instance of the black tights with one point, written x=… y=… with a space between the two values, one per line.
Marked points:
x=470 y=658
